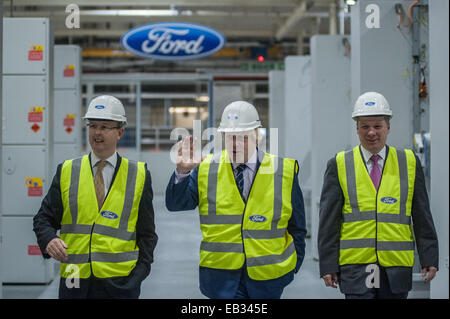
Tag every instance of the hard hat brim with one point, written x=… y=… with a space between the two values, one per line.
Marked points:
x=223 y=129
x=105 y=118
x=355 y=115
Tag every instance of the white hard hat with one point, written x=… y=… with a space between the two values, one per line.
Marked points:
x=106 y=107
x=239 y=116
x=371 y=104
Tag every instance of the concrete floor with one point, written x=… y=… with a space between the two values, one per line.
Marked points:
x=174 y=273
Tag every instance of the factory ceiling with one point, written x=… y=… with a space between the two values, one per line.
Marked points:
x=281 y=27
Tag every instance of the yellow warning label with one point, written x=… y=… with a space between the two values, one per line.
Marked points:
x=37 y=48
x=33 y=181
x=36 y=109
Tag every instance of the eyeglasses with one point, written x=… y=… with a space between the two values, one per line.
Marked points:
x=102 y=128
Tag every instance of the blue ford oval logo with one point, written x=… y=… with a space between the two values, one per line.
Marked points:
x=172 y=41
x=389 y=200
x=108 y=214
x=369 y=103
x=99 y=107
x=257 y=218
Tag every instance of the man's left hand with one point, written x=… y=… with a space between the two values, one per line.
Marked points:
x=431 y=273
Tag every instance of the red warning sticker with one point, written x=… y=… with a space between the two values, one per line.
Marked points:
x=69 y=71
x=35 y=128
x=34 y=250
x=36 y=53
x=69 y=121
x=34 y=186
x=36 y=114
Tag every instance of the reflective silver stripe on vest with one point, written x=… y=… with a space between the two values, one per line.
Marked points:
x=222 y=247
x=220 y=219
x=359 y=216
x=271 y=259
x=380 y=245
x=403 y=171
x=98 y=229
x=358 y=243
x=114 y=257
x=114 y=232
x=212 y=184
x=263 y=233
x=121 y=232
x=395 y=245
x=356 y=215
x=278 y=196
x=77 y=259
x=103 y=257
x=73 y=189
x=351 y=181
x=76 y=229
x=130 y=189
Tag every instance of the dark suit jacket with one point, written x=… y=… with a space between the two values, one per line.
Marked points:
x=352 y=277
x=48 y=220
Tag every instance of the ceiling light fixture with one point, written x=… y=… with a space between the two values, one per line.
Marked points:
x=132 y=12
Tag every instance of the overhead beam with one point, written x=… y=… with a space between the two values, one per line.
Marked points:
x=118 y=33
x=147 y=3
x=292 y=21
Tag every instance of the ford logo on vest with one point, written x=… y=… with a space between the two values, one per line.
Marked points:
x=389 y=200
x=257 y=218
x=109 y=215
x=172 y=41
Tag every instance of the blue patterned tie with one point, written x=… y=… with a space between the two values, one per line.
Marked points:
x=240 y=178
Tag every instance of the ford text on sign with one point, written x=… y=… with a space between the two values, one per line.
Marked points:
x=173 y=41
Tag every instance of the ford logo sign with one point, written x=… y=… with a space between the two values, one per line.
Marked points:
x=389 y=200
x=172 y=41
x=369 y=103
x=109 y=215
x=257 y=218
x=99 y=107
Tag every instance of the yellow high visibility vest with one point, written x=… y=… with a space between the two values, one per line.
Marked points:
x=377 y=224
x=255 y=232
x=100 y=242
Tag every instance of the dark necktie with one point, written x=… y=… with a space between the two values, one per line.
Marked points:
x=99 y=184
x=240 y=178
x=375 y=174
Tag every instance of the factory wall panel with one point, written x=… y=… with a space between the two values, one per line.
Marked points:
x=25 y=116
x=24 y=263
x=439 y=104
x=277 y=108
x=26 y=45
x=382 y=62
x=67 y=116
x=27 y=142
x=331 y=121
x=24 y=181
x=297 y=114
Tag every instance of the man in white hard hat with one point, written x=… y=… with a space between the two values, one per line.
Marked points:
x=102 y=205
x=251 y=211
x=374 y=209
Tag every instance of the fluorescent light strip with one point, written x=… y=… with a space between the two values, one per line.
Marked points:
x=130 y=12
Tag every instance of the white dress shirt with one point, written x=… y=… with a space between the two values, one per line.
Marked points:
x=108 y=170
x=369 y=164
